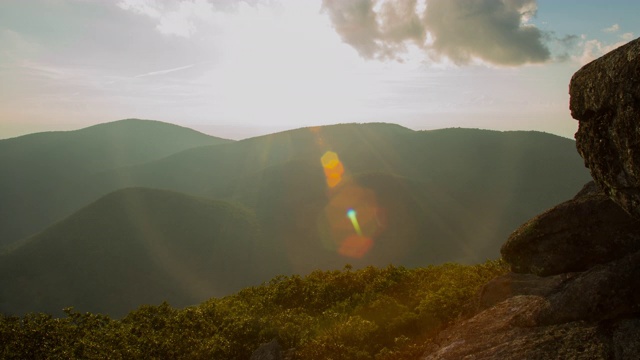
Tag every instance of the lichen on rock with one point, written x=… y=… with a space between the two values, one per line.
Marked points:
x=605 y=99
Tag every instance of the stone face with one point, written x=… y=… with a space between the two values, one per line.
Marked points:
x=605 y=98
x=574 y=236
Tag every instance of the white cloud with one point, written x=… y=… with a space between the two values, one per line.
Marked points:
x=174 y=18
x=611 y=29
x=167 y=71
x=145 y=7
x=627 y=36
x=492 y=31
x=593 y=49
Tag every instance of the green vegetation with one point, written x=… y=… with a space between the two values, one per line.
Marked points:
x=371 y=313
x=131 y=247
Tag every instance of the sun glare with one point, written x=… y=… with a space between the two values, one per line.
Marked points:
x=268 y=72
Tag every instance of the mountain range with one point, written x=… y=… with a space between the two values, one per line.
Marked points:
x=43 y=170
x=131 y=212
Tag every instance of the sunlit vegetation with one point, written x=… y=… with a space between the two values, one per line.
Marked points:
x=370 y=313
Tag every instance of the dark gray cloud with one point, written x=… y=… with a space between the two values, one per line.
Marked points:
x=495 y=31
x=562 y=47
x=355 y=21
x=376 y=34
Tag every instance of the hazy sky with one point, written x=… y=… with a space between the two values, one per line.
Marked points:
x=241 y=68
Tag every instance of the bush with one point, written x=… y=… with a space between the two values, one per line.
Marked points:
x=372 y=313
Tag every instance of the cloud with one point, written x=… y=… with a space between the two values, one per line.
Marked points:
x=492 y=30
x=376 y=34
x=563 y=48
x=174 y=18
x=611 y=29
x=167 y=71
x=464 y=31
x=593 y=49
x=627 y=36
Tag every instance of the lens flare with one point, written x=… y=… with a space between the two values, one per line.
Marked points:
x=337 y=230
x=349 y=224
x=333 y=168
x=351 y=214
x=355 y=246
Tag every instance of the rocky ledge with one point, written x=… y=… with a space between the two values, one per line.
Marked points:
x=605 y=98
x=574 y=289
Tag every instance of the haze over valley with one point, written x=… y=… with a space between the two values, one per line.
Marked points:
x=89 y=215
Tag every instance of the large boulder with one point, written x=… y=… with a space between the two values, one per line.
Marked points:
x=588 y=315
x=508 y=331
x=605 y=98
x=509 y=285
x=588 y=230
x=603 y=293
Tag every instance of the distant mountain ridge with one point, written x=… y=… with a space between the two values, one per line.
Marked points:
x=42 y=168
x=105 y=146
x=131 y=247
x=422 y=197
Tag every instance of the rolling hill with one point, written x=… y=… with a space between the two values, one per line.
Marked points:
x=405 y=197
x=462 y=190
x=41 y=172
x=134 y=246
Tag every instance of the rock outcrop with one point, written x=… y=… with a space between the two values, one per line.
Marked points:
x=593 y=314
x=508 y=331
x=574 y=289
x=605 y=98
x=588 y=230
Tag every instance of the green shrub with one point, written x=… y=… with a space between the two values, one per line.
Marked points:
x=372 y=313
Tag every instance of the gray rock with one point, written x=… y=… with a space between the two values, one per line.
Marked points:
x=268 y=351
x=605 y=98
x=589 y=315
x=588 y=230
x=508 y=331
x=605 y=292
x=626 y=339
x=586 y=302
x=512 y=284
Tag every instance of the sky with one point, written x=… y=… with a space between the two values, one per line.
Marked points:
x=238 y=69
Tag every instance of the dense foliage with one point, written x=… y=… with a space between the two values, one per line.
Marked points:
x=371 y=313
